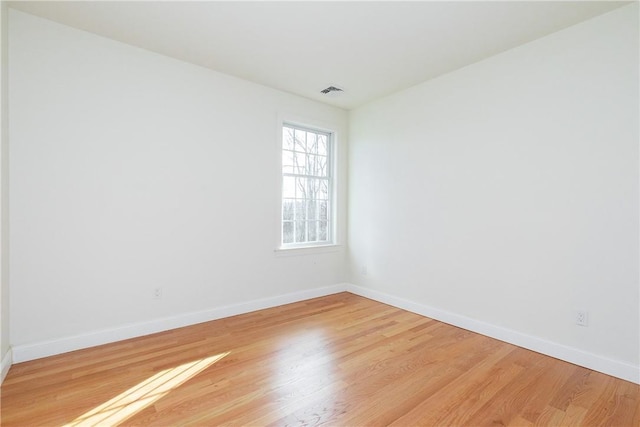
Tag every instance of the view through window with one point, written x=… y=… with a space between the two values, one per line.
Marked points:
x=306 y=186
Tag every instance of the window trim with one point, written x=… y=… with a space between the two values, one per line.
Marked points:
x=332 y=243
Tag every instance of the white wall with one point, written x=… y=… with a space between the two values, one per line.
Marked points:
x=130 y=171
x=507 y=192
x=5 y=356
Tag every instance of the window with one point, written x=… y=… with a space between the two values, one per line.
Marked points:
x=306 y=187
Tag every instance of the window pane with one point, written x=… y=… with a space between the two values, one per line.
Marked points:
x=323 y=211
x=312 y=185
x=301 y=188
x=322 y=231
x=322 y=145
x=287 y=209
x=287 y=232
x=288 y=187
x=313 y=236
x=323 y=190
x=312 y=145
x=313 y=165
x=300 y=162
x=300 y=140
x=287 y=138
x=301 y=210
x=321 y=165
x=301 y=231
x=312 y=210
x=287 y=161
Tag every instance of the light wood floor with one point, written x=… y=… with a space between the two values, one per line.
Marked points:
x=338 y=360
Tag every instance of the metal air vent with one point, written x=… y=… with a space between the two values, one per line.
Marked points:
x=331 y=89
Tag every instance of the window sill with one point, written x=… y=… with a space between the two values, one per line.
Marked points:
x=307 y=250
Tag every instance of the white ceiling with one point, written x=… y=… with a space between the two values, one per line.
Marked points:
x=371 y=49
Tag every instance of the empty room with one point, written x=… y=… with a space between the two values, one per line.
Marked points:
x=320 y=213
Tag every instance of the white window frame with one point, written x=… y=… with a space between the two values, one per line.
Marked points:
x=331 y=172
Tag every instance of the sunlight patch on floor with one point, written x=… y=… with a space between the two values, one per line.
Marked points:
x=144 y=394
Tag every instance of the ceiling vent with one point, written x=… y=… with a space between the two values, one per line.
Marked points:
x=331 y=89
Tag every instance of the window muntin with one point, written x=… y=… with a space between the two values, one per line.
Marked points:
x=306 y=187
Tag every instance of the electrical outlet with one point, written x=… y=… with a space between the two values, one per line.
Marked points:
x=582 y=317
x=363 y=270
x=157 y=293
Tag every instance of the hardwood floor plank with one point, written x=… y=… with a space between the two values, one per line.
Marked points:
x=336 y=360
x=520 y=422
x=544 y=390
x=465 y=395
x=573 y=416
x=572 y=387
x=550 y=416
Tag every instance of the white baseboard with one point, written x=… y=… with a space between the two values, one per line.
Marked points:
x=6 y=363
x=23 y=353
x=592 y=361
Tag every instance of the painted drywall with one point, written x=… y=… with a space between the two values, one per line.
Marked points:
x=507 y=191
x=4 y=192
x=131 y=171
